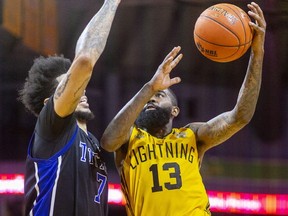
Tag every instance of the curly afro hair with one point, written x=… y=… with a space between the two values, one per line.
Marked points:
x=41 y=82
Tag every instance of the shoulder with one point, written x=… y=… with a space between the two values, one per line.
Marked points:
x=194 y=126
x=137 y=133
x=49 y=124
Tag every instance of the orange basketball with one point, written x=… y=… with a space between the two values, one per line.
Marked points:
x=222 y=32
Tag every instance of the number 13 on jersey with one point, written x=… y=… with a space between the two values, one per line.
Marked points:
x=172 y=182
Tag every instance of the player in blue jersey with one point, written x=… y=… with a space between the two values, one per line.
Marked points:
x=64 y=172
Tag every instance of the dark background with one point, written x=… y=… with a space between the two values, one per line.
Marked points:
x=144 y=31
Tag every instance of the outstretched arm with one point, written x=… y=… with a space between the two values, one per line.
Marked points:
x=89 y=47
x=222 y=127
x=118 y=131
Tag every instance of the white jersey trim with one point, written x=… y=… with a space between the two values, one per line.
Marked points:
x=55 y=187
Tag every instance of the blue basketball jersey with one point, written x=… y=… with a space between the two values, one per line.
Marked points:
x=64 y=171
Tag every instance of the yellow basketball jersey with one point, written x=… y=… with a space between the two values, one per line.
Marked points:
x=160 y=177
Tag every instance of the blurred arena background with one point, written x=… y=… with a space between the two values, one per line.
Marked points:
x=247 y=175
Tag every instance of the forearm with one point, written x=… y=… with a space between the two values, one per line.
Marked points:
x=118 y=131
x=249 y=92
x=92 y=41
x=225 y=125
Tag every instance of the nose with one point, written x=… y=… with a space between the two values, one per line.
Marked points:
x=152 y=99
x=84 y=97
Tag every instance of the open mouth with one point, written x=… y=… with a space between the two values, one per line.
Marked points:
x=150 y=107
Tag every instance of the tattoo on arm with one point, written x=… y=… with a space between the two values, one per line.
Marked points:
x=81 y=87
x=249 y=93
x=61 y=88
x=95 y=35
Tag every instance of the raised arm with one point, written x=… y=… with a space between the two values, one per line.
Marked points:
x=89 y=47
x=118 y=131
x=222 y=127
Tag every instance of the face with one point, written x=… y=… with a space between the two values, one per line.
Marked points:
x=82 y=111
x=157 y=112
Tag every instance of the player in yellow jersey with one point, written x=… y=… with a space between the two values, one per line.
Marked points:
x=158 y=164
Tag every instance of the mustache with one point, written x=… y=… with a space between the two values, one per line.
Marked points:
x=151 y=105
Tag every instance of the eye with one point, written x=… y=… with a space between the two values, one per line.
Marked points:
x=160 y=95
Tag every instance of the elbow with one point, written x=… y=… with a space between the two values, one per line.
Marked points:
x=243 y=119
x=85 y=63
x=247 y=116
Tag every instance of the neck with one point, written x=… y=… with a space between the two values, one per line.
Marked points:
x=83 y=126
x=160 y=132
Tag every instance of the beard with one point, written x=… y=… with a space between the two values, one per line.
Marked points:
x=84 y=116
x=154 y=120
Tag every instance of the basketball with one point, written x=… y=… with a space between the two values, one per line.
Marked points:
x=222 y=32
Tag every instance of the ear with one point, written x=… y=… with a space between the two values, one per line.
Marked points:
x=175 y=111
x=45 y=101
